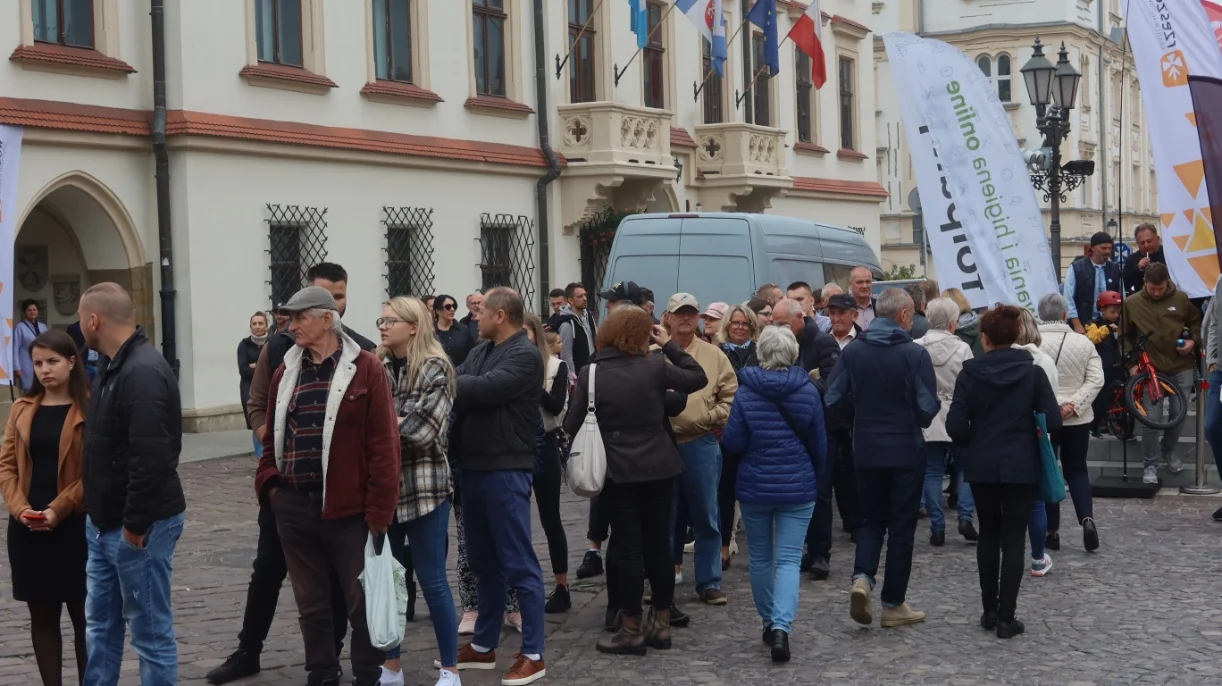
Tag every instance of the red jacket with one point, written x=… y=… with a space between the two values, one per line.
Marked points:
x=361 y=460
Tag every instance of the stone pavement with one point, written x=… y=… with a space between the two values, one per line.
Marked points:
x=1145 y=609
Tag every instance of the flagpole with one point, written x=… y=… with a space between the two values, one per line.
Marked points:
x=697 y=89
x=758 y=72
x=560 y=63
x=618 y=71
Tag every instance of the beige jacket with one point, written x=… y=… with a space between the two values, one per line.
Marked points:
x=708 y=409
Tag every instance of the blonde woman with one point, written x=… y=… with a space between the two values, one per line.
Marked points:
x=967 y=327
x=423 y=387
x=738 y=338
x=1029 y=339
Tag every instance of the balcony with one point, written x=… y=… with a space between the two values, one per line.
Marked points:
x=616 y=154
x=740 y=167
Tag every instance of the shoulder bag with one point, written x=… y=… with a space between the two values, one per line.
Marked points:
x=587 y=470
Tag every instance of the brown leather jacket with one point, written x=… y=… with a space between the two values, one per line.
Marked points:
x=16 y=468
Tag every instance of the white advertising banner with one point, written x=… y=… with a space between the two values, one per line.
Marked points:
x=1172 y=39
x=984 y=225
x=10 y=164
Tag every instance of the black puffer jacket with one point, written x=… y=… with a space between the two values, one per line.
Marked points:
x=992 y=418
x=133 y=436
x=497 y=403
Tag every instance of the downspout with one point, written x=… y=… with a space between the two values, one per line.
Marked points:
x=1103 y=154
x=169 y=335
x=543 y=115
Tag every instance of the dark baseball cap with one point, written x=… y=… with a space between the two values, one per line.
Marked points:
x=841 y=301
x=624 y=290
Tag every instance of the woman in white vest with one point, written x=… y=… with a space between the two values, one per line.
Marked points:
x=553 y=400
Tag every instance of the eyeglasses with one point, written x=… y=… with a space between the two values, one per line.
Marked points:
x=742 y=324
x=449 y=307
x=388 y=322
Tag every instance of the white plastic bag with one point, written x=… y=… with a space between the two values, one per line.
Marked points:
x=385 y=585
x=587 y=470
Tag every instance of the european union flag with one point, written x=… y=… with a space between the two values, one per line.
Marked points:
x=763 y=15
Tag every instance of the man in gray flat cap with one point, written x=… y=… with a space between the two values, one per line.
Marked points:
x=330 y=473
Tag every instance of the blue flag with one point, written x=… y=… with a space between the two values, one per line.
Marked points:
x=763 y=15
x=710 y=20
x=640 y=21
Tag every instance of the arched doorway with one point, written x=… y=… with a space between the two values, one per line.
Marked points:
x=76 y=233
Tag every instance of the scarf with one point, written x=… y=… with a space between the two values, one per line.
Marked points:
x=732 y=346
x=259 y=340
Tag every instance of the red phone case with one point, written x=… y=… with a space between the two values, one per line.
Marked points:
x=35 y=515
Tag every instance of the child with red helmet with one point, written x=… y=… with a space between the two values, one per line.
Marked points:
x=1104 y=333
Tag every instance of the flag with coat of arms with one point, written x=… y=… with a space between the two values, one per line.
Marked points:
x=710 y=20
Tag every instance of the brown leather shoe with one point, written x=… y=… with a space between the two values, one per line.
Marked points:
x=713 y=596
x=657 y=635
x=470 y=658
x=524 y=671
x=628 y=640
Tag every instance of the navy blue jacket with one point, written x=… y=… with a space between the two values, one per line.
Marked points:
x=889 y=383
x=778 y=466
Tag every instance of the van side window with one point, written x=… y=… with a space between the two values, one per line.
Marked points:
x=838 y=273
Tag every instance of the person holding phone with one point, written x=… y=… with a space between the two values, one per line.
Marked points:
x=40 y=478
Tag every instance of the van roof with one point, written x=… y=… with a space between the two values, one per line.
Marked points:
x=769 y=223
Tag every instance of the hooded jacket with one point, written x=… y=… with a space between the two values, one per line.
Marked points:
x=992 y=418
x=948 y=352
x=890 y=384
x=968 y=329
x=1165 y=318
x=779 y=463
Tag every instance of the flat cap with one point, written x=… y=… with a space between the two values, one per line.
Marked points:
x=310 y=298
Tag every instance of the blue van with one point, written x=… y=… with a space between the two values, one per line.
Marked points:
x=726 y=257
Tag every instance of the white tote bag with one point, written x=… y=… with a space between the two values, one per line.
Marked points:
x=588 y=456
x=385 y=585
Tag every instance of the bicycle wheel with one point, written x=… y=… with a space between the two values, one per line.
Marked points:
x=1174 y=400
x=1121 y=425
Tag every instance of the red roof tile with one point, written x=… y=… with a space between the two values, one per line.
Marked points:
x=679 y=137
x=80 y=57
x=840 y=186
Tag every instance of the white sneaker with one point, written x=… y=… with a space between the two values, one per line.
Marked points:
x=689 y=548
x=390 y=678
x=1151 y=475
x=1041 y=567
x=466 y=626
x=678 y=578
x=444 y=678
x=733 y=547
x=513 y=620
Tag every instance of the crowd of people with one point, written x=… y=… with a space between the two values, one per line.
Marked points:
x=760 y=413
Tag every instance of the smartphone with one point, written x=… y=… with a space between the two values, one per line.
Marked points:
x=37 y=516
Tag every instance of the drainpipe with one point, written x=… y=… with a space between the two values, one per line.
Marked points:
x=1102 y=151
x=169 y=337
x=543 y=115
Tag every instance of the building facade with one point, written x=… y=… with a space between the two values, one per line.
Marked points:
x=401 y=139
x=1108 y=123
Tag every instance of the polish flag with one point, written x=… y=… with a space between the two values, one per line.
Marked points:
x=807 y=34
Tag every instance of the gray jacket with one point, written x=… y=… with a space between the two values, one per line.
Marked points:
x=1211 y=329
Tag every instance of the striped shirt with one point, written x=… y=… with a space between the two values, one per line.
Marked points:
x=302 y=468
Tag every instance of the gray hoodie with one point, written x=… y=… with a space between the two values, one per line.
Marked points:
x=948 y=353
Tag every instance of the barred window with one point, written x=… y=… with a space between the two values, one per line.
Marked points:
x=409 y=250
x=297 y=238
x=507 y=258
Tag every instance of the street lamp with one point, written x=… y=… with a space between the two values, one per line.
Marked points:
x=1053 y=89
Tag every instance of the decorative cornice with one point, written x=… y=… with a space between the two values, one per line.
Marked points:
x=814 y=184
x=81 y=61
x=291 y=78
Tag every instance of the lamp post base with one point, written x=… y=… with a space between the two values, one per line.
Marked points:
x=1200 y=490
x=1123 y=487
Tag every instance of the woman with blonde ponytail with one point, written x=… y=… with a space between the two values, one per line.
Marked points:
x=423 y=386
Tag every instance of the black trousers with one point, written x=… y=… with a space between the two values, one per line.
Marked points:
x=263 y=593
x=600 y=521
x=547 y=501
x=640 y=543
x=726 y=498
x=841 y=480
x=1001 y=552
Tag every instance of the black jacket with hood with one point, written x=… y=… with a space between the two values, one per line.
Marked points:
x=992 y=418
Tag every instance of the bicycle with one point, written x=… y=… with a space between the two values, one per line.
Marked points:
x=1144 y=390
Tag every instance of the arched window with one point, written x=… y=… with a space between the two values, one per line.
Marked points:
x=1003 y=78
x=985 y=64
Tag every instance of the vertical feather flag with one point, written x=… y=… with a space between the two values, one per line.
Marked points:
x=807 y=34
x=710 y=20
x=763 y=15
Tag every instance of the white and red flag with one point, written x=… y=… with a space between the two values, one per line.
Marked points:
x=807 y=34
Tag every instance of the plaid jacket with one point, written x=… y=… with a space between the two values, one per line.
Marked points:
x=424 y=418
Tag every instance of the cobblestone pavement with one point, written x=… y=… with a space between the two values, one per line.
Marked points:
x=1146 y=609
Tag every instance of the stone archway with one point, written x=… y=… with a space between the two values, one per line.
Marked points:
x=74 y=233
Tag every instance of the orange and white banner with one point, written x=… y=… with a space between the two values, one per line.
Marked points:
x=1172 y=39
x=10 y=164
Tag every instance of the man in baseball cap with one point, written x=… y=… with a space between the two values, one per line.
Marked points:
x=695 y=431
x=1090 y=277
x=624 y=291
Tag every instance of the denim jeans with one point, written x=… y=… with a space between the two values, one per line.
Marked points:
x=428 y=539
x=1213 y=416
x=1037 y=528
x=496 y=520
x=130 y=586
x=935 y=469
x=696 y=504
x=258 y=445
x=1156 y=442
x=887 y=498
x=967 y=502
x=774 y=544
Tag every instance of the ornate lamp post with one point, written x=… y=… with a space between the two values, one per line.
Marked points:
x=1053 y=90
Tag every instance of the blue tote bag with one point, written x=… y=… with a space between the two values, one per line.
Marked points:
x=1052 y=486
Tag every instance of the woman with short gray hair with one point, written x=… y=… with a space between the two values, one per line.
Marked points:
x=776 y=438
x=1080 y=378
x=948 y=352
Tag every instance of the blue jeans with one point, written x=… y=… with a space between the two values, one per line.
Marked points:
x=775 y=534
x=935 y=469
x=428 y=539
x=967 y=502
x=130 y=586
x=258 y=446
x=496 y=522
x=888 y=499
x=1037 y=528
x=696 y=504
x=1213 y=416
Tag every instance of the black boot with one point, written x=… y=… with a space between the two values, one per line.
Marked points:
x=968 y=530
x=937 y=539
x=242 y=663
x=988 y=620
x=1009 y=629
x=780 y=646
x=679 y=618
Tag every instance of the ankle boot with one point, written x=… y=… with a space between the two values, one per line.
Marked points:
x=658 y=634
x=628 y=640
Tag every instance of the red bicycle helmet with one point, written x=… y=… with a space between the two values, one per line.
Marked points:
x=1109 y=298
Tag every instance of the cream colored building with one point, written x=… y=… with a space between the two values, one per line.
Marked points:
x=1108 y=124
x=399 y=138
